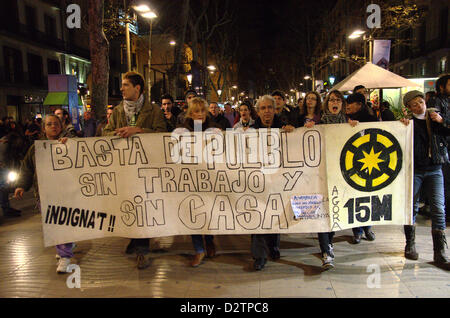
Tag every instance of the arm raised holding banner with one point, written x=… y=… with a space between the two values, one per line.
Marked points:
x=429 y=154
x=52 y=131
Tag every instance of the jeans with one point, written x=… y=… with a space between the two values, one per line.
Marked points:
x=197 y=241
x=360 y=230
x=260 y=243
x=433 y=184
x=325 y=239
x=65 y=250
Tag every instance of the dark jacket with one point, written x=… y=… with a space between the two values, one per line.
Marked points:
x=277 y=123
x=291 y=116
x=387 y=115
x=441 y=102
x=220 y=120
x=439 y=154
x=363 y=115
x=172 y=122
x=189 y=124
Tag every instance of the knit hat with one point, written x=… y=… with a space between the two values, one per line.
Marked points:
x=411 y=95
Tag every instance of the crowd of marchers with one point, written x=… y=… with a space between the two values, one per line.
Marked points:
x=136 y=115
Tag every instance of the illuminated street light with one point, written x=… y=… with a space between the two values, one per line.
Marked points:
x=141 y=8
x=335 y=56
x=189 y=78
x=307 y=77
x=149 y=15
x=172 y=43
x=356 y=34
x=211 y=67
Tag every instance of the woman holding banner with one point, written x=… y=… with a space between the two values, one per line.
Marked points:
x=53 y=130
x=334 y=113
x=196 y=119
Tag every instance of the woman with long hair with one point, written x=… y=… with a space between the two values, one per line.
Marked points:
x=312 y=105
x=52 y=130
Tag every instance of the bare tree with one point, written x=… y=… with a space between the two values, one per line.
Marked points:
x=99 y=48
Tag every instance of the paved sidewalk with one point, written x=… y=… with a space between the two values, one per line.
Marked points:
x=27 y=269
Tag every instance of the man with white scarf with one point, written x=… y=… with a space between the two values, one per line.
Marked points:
x=135 y=115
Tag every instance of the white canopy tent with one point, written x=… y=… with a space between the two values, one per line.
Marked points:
x=373 y=76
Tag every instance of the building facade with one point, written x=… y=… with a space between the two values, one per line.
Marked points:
x=35 y=42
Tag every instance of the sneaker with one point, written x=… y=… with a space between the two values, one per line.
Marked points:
x=370 y=236
x=198 y=259
x=259 y=263
x=331 y=250
x=62 y=265
x=327 y=261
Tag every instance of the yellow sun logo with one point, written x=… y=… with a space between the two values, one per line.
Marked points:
x=371 y=160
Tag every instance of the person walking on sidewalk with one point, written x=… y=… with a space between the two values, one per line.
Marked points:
x=197 y=114
x=260 y=243
x=334 y=113
x=53 y=130
x=135 y=115
x=358 y=111
x=430 y=152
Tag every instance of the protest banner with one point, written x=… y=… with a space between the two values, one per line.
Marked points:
x=330 y=177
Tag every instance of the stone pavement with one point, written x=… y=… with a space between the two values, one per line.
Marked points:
x=27 y=269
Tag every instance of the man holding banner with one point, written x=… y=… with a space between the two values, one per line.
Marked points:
x=135 y=115
x=265 y=107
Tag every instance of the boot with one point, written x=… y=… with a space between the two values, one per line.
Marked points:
x=438 y=247
x=410 y=248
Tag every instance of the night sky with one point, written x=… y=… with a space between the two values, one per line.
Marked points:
x=273 y=36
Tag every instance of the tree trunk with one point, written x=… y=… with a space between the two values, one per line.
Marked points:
x=99 y=48
x=180 y=50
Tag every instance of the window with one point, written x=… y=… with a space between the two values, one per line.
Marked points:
x=30 y=18
x=13 y=65
x=50 y=26
x=35 y=69
x=53 y=66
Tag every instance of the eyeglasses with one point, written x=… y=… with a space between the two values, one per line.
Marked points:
x=52 y=124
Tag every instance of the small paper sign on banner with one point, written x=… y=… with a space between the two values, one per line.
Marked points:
x=306 y=207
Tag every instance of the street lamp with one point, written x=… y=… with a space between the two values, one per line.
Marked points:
x=356 y=34
x=148 y=14
x=189 y=78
